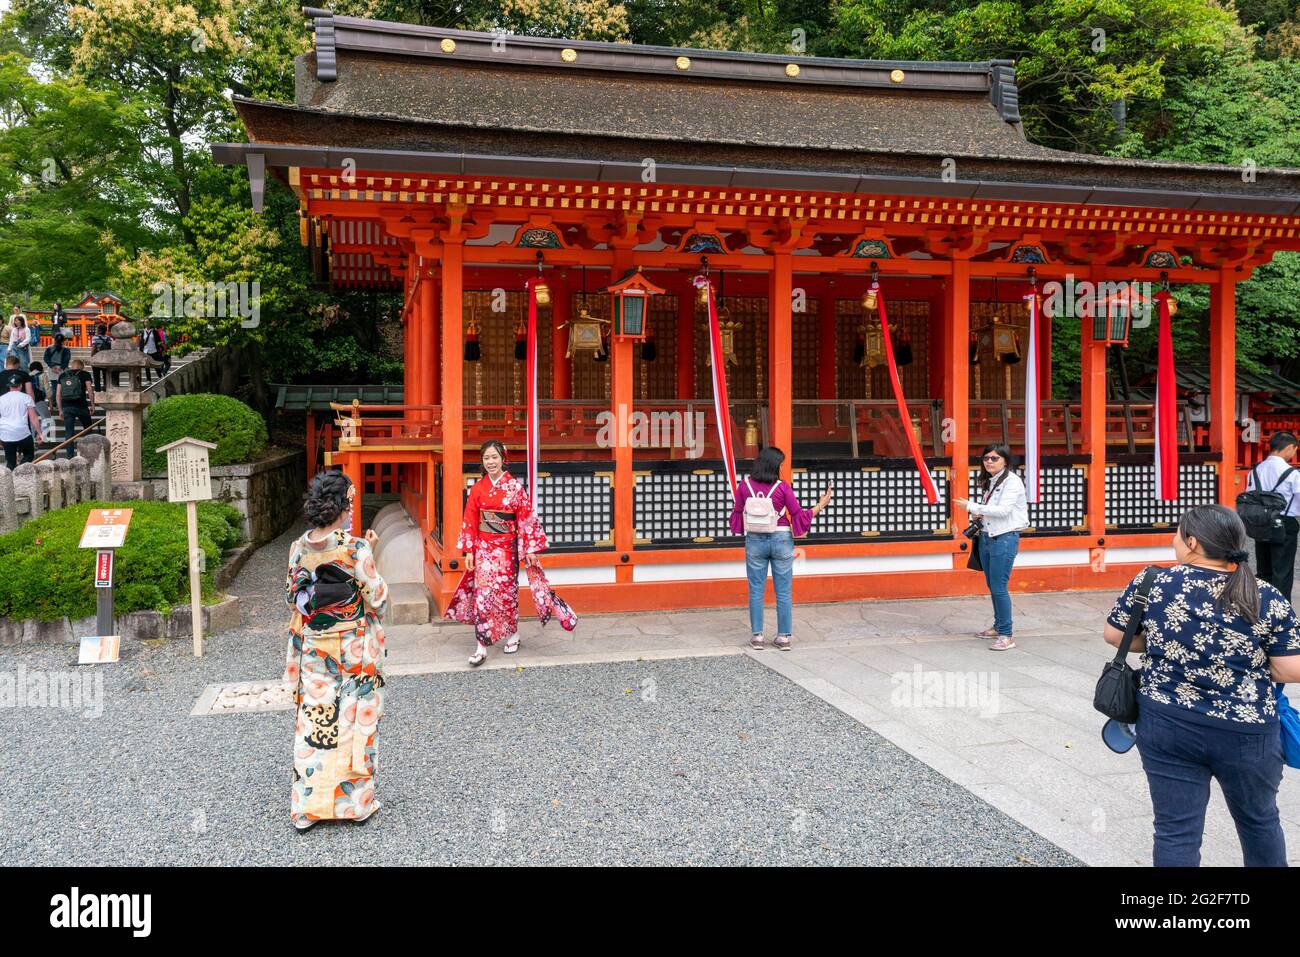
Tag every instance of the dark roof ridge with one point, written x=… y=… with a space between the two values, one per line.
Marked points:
x=992 y=78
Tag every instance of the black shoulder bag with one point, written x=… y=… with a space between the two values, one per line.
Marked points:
x=1117 y=688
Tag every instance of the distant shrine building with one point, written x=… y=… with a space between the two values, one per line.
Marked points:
x=427 y=162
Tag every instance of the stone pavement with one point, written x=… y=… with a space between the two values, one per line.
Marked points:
x=1015 y=728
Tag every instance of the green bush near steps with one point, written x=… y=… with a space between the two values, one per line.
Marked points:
x=47 y=576
x=238 y=431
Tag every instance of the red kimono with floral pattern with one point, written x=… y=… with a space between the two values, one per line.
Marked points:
x=488 y=597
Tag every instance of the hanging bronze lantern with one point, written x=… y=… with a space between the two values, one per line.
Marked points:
x=585 y=334
x=869 y=299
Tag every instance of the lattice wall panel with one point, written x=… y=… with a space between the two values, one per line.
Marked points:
x=576 y=509
x=1063 y=498
x=498 y=377
x=657 y=379
x=1131 y=501
x=989 y=377
x=885 y=502
x=746 y=382
x=851 y=379
x=681 y=506
x=590 y=378
x=806 y=361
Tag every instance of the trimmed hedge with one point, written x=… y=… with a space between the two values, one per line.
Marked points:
x=46 y=576
x=238 y=431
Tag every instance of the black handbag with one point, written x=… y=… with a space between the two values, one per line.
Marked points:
x=973 y=562
x=1117 y=688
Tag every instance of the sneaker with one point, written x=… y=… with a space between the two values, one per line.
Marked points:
x=782 y=642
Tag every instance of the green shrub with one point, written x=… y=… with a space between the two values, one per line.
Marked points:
x=47 y=576
x=238 y=431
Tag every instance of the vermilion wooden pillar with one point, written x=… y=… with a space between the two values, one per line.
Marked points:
x=780 y=361
x=827 y=361
x=621 y=373
x=427 y=360
x=956 y=383
x=1092 y=392
x=686 y=341
x=453 y=419
x=433 y=336
x=1223 y=381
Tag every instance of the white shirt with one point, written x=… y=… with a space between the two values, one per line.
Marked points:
x=1007 y=510
x=1270 y=470
x=14 y=426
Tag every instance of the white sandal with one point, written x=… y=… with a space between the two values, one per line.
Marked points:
x=511 y=646
x=478 y=657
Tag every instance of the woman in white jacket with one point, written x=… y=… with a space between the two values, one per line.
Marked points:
x=1002 y=512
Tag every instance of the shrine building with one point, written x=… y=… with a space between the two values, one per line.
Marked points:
x=451 y=166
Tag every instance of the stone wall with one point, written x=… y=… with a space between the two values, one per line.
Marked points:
x=34 y=488
x=267 y=493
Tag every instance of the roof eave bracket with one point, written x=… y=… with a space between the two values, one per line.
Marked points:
x=256 y=163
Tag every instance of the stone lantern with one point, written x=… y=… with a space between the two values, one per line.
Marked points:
x=124 y=409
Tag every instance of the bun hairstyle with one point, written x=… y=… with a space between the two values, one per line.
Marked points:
x=327 y=498
x=1222 y=537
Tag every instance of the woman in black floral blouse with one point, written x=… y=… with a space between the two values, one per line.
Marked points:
x=1213 y=641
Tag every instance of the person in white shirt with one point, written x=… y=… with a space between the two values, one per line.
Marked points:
x=1003 y=511
x=18 y=425
x=1275 y=561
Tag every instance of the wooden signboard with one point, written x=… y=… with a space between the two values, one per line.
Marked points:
x=189 y=481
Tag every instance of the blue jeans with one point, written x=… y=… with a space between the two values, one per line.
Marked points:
x=1180 y=757
x=777 y=548
x=997 y=555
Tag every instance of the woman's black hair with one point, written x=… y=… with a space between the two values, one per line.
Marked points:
x=1220 y=534
x=327 y=498
x=986 y=478
x=493 y=444
x=767 y=467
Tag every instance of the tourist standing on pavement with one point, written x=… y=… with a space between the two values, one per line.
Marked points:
x=57 y=359
x=1213 y=641
x=1276 y=560
x=20 y=341
x=1002 y=512
x=335 y=659
x=769 y=515
x=13 y=374
x=20 y=429
x=75 y=401
x=100 y=341
x=498 y=533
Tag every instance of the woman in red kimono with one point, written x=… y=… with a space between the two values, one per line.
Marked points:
x=498 y=533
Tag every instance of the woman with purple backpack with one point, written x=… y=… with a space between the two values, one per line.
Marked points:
x=768 y=514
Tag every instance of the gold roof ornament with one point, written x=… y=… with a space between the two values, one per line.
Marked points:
x=898 y=76
x=448 y=45
x=792 y=70
x=683 y=62
x=569 y=55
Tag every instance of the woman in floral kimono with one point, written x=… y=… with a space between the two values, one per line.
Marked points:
x=335 y=659
x=499 y=532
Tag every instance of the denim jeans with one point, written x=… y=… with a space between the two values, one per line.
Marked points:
x=778 y=549
x=997 y=555
x=1180 y=757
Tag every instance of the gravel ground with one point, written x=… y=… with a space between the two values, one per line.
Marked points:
x=694 y=761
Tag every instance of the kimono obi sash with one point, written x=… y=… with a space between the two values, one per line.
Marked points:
x=496 y=521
